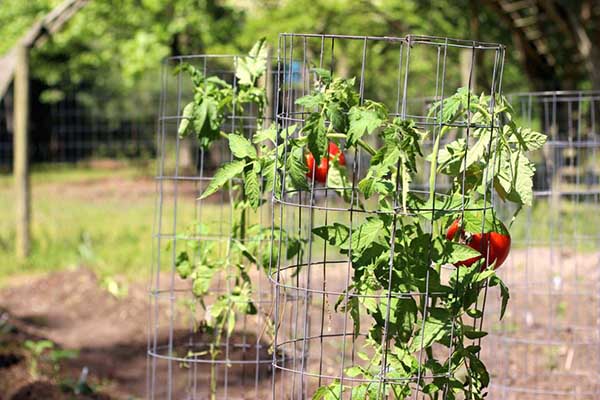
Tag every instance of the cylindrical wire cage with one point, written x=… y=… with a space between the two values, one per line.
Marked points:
x=325 y=343
x=210 y=300
x=547 y=345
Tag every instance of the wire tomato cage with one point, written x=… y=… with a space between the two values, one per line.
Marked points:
x=547 y=346
x=210 y=302
x=381 y=301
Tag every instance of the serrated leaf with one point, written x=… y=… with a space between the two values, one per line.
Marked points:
x=202 y=280
x=200 y=112
x=432 y=331
x=186 y=115
x=504 y=293
x=477 y=151
x=252 y=188
x=530 y=140
x=254 y=65
x=296 y=168
x=268 y=134
x=223 y=175
x=316 y=133
x=323 y=75
x=336 y=235
x=523 y=177
x=336 y=117
x=361 y=121
x=183 y=266
x=241 y=147
x=366 y=234
x=310 y=101
x=353 y=372
x=454 y=252
x=337 y=180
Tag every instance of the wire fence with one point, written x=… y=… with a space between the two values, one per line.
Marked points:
x=210 y=301
x=337 y=335
x=547 y=345
x=78 y=128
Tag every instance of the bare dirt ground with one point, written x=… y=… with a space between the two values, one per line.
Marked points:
x=72 y=310
x=546 y=343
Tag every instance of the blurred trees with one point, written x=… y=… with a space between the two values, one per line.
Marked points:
x=558 y=40
x=115 y=46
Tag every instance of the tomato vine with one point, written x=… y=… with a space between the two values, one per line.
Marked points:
x=396 y=253
x=247 y=178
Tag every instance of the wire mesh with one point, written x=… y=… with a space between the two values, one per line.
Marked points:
x=547 y=345
x=319 y=342
x=199 y=274
x=79 y=127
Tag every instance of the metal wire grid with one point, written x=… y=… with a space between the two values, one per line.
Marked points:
x=73 y=129
x=78 y=131
x=180 y=365
x=547 y=345
x=313 y=344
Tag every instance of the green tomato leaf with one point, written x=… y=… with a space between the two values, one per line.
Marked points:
x=529 y=140
x=472 y=333
x=362 y=121
x=268 y=134
x=252 y=187
x=366 y=234
x=453 y=252
x=186 y=115
x=323 y=75
x=432 y=331
x=311 y=101
x=317 y=136
x=241 y=147
x=223 y=175
x=297 y=169
x=254 y=65
x=183 y=266
x=337 y=117
x=337 y=180
x=202 y=280
x=336 y=235
x=504 y=293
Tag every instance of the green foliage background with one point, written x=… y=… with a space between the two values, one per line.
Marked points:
x=114 y=47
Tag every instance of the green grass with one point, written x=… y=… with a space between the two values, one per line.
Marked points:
x=70 y=227
x=109 y=228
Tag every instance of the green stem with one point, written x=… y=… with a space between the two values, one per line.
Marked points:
x=367 y=147
x=434 y=157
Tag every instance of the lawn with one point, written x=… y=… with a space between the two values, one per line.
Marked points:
x=96 y=218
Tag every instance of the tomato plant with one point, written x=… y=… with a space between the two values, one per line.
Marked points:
x=248 y=176
x=398 y=251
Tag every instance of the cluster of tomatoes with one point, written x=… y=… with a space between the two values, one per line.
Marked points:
x=320 y=171
x=493 y=246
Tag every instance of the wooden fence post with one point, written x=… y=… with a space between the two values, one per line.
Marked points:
x=21 y=152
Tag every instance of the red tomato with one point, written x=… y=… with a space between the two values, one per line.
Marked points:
x=493 y=246
x=323 y=168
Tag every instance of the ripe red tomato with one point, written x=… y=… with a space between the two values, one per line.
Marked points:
x=323 y=168
x=493 y=246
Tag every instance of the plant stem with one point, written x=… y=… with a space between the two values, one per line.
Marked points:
x=434 y=156
x=367 y=147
